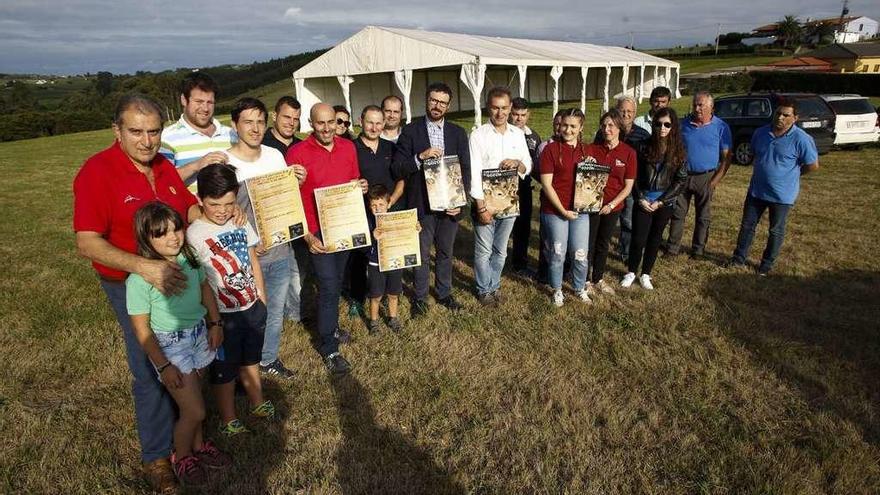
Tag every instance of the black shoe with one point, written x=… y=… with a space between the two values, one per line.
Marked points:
x=419 y=308
x=449 y=303
x=373 y=327
x=337 y=364
x=394 y=325
x=697 y=255
x=524 y=272
x=277 y=369
x=342 y=336
x=487 y=299
x=733 y=263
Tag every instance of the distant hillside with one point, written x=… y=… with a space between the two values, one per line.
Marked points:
x=35 y=106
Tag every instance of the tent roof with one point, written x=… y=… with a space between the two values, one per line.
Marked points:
x=384 y=49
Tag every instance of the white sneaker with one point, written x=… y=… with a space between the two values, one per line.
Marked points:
x=585 y=298
x=645 y=282
x=558 y=298
x=628 y=279
x=604 y=288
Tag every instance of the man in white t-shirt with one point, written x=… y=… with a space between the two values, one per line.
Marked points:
x=251 y=159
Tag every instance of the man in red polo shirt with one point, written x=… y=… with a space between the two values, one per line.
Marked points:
x=108 y=190
x=329 y=160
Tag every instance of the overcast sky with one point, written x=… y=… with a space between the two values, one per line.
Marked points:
x=124 y=36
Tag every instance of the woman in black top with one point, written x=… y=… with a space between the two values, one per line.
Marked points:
x=660 y=179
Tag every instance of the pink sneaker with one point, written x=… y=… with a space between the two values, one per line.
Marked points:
x=213 y=458
x=189 y=471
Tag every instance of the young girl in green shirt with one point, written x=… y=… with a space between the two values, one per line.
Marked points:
x=173 y=332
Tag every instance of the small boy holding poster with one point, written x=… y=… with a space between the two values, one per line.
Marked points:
x=388 y=283
x=228 y=253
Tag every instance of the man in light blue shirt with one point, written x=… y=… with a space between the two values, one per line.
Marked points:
x=783 y=153
x=707 y=140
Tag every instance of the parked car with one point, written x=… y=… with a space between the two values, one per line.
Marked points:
x=745 y=113
x=856 y=122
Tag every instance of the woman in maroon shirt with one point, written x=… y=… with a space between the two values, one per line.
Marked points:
x=610 y=151
x=564 y=229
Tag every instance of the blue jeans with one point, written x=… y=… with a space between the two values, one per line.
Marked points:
x=490 y=251
x=329 y=270
x=276 y=276
x=753 y=209
x=561 y=237
x=298 y=262
x=153 y=406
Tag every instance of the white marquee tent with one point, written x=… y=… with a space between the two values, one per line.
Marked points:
x=378 y=61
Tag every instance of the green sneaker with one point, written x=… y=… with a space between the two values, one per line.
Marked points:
x=233 y=428
x=264 y=410
x=355 y=309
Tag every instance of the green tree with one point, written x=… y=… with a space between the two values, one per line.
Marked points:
x=104 y=83
x=789 y=30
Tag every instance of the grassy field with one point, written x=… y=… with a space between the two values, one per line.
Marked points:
x=51 y=95
x=696 y=65
x=718 y=382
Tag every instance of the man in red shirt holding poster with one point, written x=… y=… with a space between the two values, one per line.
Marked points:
x=108 y=190
x=329 y=160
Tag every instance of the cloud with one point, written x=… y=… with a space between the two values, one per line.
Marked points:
x=75 y=36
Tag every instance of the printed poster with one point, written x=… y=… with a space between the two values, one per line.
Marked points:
x=500 y=192
x=589 y=185
x=343 y=217
x=444 y=183
x=399 y=243
x=278 y=207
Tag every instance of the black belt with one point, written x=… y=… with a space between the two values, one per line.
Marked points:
x=702 y=173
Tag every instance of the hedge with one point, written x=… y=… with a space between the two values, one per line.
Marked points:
x=816 y=82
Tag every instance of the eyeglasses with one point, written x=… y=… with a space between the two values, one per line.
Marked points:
x=346 y=123
x=667 y=125
x=439 y=103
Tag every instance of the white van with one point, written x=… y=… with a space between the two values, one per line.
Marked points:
x=856 y=120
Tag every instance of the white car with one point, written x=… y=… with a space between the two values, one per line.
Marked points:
x=856 y=120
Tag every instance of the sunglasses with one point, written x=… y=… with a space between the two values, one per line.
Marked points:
x=667 y=125
x=346 y=123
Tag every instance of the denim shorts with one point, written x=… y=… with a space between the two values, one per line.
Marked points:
x=187 y=349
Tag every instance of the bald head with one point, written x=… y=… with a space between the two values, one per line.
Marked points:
x=323 y=120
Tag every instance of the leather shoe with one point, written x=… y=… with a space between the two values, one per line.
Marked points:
x=449 y=303
x=160 y=476
x=419 y=308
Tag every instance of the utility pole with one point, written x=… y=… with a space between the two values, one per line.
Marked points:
x=717 y=39
x=632 y=44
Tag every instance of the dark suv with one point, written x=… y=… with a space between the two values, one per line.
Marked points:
x=745 y=113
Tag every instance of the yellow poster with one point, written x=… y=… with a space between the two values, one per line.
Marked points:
x=278 y=207
x=343 y=217
x=398 y=240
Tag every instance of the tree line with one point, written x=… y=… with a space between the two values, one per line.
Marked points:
x=91 y=108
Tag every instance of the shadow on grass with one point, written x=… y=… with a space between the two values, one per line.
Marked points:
x=375 y=459
x=820 y=334
x=255 y=455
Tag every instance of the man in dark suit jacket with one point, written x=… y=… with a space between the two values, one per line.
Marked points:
x=432 y=137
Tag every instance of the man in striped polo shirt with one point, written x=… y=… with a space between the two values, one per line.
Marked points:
x=197 y=139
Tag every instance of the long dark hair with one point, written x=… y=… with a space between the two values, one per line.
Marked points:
x=669 y=150
x=151 y=220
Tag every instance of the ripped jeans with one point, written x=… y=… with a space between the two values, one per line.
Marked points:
x=566 y=237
